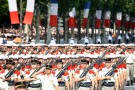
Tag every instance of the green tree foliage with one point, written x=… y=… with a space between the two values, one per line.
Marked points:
x=126 y=6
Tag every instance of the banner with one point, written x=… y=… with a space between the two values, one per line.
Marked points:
x=54 y=13
x=107 y=19
x=119 y=18
x=127 y=21
x=132 y=23
x=13 y=11
x=29 y=12
x=86 y=14
x=72 y=20
x=98 y=18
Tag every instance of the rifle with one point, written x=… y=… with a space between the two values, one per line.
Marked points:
x=93 y=50
x=123 y=50
x=11 y=52
x=44 y=65
x=37 y=69
x=114 y=66
x=39 y=50
x=11 y=72
x=59 y=75
x=46 y=52
x=54 y=50
x=84 y=73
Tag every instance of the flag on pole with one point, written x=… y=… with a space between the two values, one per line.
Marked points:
x=72 y=19
x=54 y=13
x=132 y=23
x=98 y=18
x=86 y=14
x=127 y=19
x=119 y=18
x=29 y=12
x=107 y=19
x=13 y=11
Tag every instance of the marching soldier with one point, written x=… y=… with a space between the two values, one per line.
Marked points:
x=87 y=82
x=33 y=84
x=63 y=81
x=9 y=82
x=111 y=82
x=48 y=80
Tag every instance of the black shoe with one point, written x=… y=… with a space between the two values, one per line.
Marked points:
x=128 y=84
x=132 y=82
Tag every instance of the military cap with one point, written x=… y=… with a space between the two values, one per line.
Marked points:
x=20 y=84
x=84 y=61
x=48 y=66
x=39 y=62
x=108 y=60
x=59 y=61
x=9 y=62
x=33 y=61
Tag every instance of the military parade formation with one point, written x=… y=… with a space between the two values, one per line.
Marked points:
x=67 y=67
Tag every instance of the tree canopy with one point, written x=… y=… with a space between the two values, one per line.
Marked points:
x=125 y=6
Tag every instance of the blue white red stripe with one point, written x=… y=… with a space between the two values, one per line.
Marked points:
x=98 y=18
x=54 y=13
x=86 y=14
x=72 y=20
x=118 y=21
x=107 y=19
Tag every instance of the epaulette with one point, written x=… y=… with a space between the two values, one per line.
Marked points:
x=77 y=71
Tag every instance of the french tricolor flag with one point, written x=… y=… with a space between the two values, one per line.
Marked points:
x=29 y=12
x=72 y=20
x=98 y=18
x=13 y=11
x=107 y=19
x=119 y=18
x=132 y=23
x=54 y=13
x=86 y=14
x=127 y=21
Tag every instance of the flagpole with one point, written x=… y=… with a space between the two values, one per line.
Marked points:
x=20 y=18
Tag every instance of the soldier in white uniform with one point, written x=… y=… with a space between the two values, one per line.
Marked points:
x=33 y=84
x=110 y=82
x=130 y=67
x=6 y=83
x=87 y=82
x=63 y=81
x=48 y=81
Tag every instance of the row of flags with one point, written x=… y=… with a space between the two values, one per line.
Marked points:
x=72 y=21
x=14 y=12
